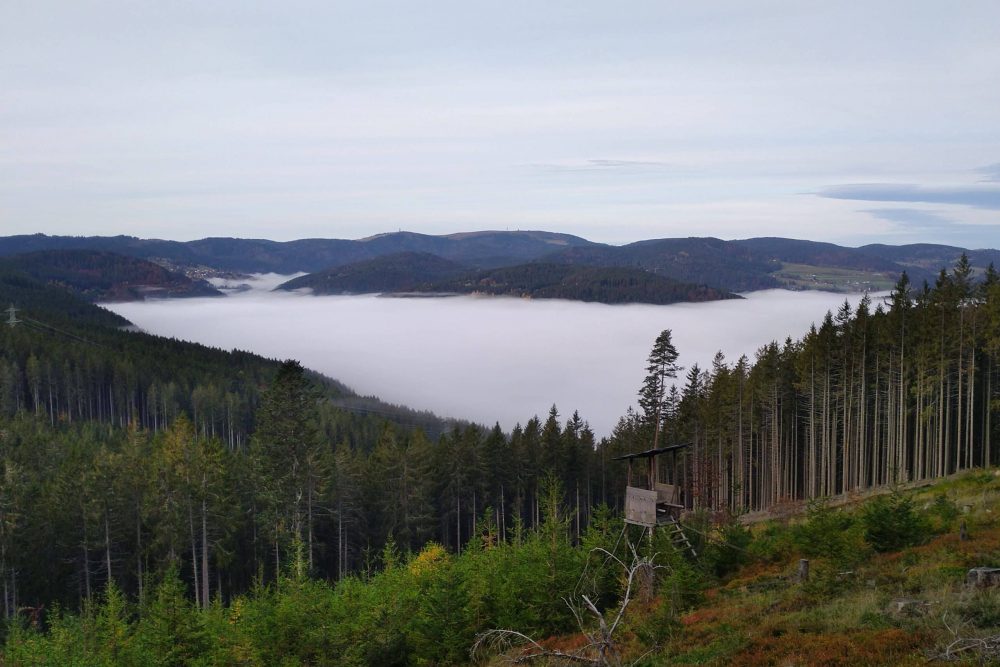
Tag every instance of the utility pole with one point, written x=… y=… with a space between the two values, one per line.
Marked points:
x=12 y=316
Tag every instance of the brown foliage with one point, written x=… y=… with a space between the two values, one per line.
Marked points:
x=873 y=647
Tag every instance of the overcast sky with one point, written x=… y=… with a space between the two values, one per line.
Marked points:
x=851 y=122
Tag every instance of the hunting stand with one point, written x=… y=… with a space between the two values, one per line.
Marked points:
x=656 y=503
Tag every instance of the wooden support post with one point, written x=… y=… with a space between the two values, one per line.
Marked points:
x=803 y=574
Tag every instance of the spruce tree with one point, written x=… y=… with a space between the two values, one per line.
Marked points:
x=661 y=365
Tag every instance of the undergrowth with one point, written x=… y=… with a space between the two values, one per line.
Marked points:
x=886 y=584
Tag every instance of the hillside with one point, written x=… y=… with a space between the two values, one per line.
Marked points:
x=484 y=249
x=735 y=266
x=148 y=492
x=399 y=272
x=105 y=276
x=36 y=299
x=706 y=261
x=887 y=585
x=581 y=283
x=930 y=257
x=407 y=273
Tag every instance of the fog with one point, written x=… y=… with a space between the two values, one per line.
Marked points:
x=488 y=359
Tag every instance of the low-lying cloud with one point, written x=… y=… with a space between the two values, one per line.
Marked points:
x=987 y=197
x=486 y=359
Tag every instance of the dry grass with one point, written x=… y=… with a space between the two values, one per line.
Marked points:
x=761 y=616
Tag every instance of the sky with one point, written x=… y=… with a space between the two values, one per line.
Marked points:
x=847 y=122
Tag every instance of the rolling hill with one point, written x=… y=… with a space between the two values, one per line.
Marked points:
x=399 y=272
x=425 y=273
x=104 y=276
x=735 y=266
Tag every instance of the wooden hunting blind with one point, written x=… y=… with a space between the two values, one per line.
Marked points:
x=650 y=502
x=646 y=502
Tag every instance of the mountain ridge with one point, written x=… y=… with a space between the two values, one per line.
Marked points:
x=731 y=265
x=424 y=273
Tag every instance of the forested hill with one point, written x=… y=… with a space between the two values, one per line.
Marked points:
x=70 y=361
x=581 y=283
x=482 y=249
x=104 y=276
x=400 y=272
x=738 y=265
x=705 y=261
x=428 y=274
x=327 y=537
x=54 y=304
x=932 y=257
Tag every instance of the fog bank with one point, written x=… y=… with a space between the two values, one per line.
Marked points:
x=487 y=359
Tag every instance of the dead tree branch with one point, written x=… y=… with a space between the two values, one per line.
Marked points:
x=601 y=650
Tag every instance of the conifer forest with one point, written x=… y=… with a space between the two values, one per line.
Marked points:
x=166 y=503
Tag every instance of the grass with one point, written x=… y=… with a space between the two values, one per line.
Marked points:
x=849 y=615
x=807 y=276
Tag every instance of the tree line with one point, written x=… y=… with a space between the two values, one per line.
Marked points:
x=100 y=488
x=897 y=391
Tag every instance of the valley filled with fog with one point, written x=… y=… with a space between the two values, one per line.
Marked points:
x=486 y=359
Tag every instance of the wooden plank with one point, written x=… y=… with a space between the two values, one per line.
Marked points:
x=640 y=507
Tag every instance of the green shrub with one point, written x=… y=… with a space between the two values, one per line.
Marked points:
x=829 y=533
x=827 y=581
x=658 y=626
x=982 y=610
x=944 y=512
x=731 y=550
x=774 y=544
x=891 y=523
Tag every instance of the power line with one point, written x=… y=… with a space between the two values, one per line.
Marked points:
x=42 y=327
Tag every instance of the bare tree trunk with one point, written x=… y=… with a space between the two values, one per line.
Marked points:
x=205 y=584
x=138 y=551
x=194 y=557
x=277 y=554
x=107 y=546
x=309 y=519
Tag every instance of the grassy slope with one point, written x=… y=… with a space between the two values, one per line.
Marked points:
x=807 y=276
x=845 y=615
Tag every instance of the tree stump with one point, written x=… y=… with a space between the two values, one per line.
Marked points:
x=983 y=577
x=908 y=607
x=645 y=579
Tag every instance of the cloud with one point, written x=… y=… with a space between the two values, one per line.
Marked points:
x=913 y=218
x=486 y=359
x=606 y=165
x=991 y=172
x=986 y=197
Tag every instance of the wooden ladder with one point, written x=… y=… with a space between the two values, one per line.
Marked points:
x=677 y=536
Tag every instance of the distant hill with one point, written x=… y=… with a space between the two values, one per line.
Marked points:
x=582 y=283
x=35 y=299
x=478 y=249
x=400 y=272
x=104 y=276
x=796 y=251
x=931 y=258
x=709 y=261
x=731 y=266
x=426 y=273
